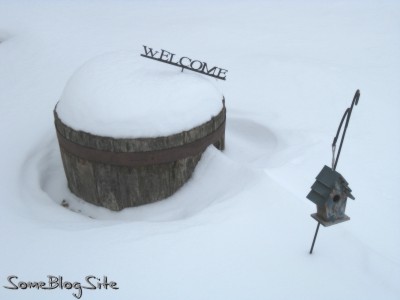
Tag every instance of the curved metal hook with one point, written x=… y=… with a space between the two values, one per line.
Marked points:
x=346 y=115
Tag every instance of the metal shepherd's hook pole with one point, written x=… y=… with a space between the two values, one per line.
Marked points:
x=346 y=115
x=315 y=237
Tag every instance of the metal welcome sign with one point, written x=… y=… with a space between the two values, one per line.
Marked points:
x=184 y=63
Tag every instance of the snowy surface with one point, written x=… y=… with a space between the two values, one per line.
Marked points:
x=121 y=94
x=241 y=227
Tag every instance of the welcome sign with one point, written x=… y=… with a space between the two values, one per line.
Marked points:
x=184 y=63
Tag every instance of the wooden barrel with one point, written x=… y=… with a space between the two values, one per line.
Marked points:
x=120 y=172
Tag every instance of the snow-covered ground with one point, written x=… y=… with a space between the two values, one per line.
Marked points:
x=240 y=228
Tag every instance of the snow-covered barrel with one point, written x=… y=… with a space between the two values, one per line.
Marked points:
x=131 y=131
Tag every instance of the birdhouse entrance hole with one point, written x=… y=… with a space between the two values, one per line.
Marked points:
x=336 y=198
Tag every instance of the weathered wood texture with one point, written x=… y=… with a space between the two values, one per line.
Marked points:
x=116 y=186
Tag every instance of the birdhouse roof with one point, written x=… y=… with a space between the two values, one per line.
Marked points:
x=322 y=188
x=328 y=177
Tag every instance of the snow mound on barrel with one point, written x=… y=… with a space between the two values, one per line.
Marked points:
x=122 y=94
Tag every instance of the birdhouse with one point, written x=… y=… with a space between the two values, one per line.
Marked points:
x=330 y=192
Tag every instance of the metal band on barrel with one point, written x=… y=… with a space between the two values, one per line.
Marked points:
x=138 y=159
